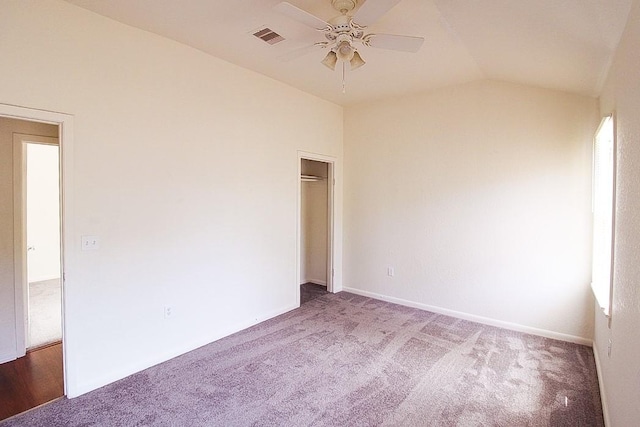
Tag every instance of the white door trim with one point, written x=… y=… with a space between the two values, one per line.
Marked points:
x=65 y=137
x=20 y=234
x=331 y=212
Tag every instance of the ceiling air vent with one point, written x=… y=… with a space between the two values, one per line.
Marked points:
x=268 y=35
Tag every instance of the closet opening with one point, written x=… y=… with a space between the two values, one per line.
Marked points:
x=315 y=220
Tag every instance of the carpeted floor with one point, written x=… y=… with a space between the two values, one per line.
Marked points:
x=346 y=360
x=309 y=291
x=45 y=313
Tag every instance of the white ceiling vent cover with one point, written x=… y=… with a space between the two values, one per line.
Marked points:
x=268 y=35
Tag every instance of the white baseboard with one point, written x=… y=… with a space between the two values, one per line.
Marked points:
x=43 y=278
x=7 y=357
x=603 y=395
x=315 y=282
x=474 y=318
x=75 y=390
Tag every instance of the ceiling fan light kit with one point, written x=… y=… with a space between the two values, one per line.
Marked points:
x=343 y=48
x=345 y=30
x=330 y=60
x=356 y=61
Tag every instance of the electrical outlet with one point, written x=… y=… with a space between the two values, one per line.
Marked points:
x=168 y=312
x=390 y=271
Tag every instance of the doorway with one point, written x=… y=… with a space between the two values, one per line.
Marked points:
x=43 y=291
x=31 y=348
x=315 y=225
x=37 y=243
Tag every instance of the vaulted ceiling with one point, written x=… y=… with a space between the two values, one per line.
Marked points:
x=558 y=44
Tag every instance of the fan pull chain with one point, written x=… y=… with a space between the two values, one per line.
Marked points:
x=344 y=86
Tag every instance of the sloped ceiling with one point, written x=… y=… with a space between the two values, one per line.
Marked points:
x=558 y=44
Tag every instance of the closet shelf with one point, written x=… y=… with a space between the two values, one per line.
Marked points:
x=311 y=178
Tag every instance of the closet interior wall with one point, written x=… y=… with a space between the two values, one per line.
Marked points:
x=314 y=222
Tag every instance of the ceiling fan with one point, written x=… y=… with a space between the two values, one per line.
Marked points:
x=344 y=32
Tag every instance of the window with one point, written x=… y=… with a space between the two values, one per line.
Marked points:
x=604 y=156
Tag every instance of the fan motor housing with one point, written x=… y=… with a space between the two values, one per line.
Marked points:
x=341 y=23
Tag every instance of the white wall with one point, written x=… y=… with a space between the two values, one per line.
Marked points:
x=620 y=373
x=479 y=197
x=8 y=127
x=43 y=212
x=182 y=167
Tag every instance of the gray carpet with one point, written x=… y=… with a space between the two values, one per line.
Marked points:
x=45 y=312
x=309 y=291
x=346 y=360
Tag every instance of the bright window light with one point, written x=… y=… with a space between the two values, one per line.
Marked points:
x=603 y=213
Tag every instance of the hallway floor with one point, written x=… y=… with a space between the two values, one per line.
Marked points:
x=31 y=380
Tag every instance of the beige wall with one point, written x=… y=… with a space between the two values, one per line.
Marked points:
x=186 y=170
x=620 y=373
x=7 y=285
x=479 y=197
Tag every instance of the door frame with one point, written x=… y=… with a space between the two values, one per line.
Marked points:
x=20 y=141
x=331 y=212
x=65 y=157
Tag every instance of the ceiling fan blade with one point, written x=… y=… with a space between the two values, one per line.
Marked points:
x=300 y=15
x=396 y=42
x=297 y=53
x=372 y=10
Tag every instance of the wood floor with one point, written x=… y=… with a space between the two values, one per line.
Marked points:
x=31 y=380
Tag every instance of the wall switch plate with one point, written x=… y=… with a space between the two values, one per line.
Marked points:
x=390 y=271
x=90 y=243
